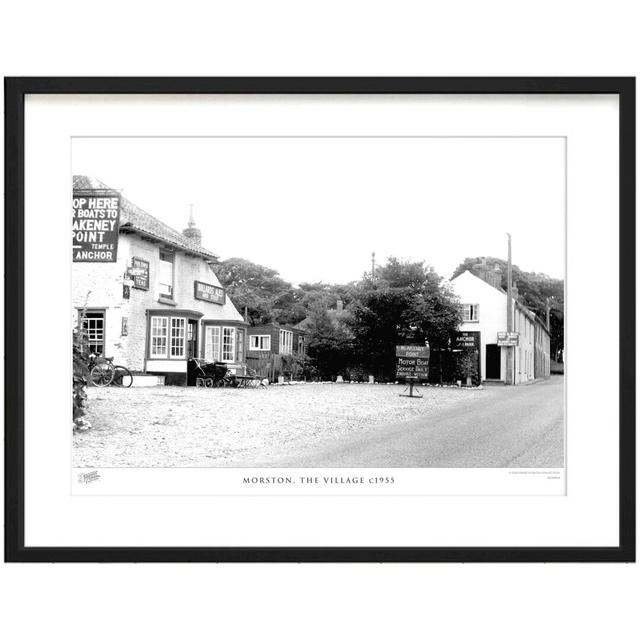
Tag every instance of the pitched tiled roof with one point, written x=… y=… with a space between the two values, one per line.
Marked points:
x=278 y=325
x=134 y=218
x=528 y=312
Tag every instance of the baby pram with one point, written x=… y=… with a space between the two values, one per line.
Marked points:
x=201 y=373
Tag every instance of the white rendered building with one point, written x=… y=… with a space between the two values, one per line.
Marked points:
x=485 y=312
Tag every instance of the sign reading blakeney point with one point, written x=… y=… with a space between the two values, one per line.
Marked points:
x=208 y=292
x=96 y=222
x=412 y=362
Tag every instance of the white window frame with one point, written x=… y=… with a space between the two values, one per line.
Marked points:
x=286 y=342
x=231 y=331
x=95 y=335
x=260 y=342
x=169 y=323
x=212 y=342
x=180 y=336
x=240 y=345
x=471 y=312
x=158 y=321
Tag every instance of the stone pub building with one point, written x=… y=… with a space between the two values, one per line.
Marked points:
x=157 y=302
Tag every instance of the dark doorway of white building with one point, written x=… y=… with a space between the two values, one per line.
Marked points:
x=493 y=362
x=192 y=339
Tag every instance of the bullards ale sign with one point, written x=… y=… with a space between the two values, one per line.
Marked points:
x=208 y=292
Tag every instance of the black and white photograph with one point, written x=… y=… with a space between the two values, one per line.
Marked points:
x=361 y=315
x=337 y=308
x=318 y=302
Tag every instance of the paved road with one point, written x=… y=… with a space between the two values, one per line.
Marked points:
x=519 y=426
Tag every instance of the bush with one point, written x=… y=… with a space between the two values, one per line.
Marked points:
x=467 y=366
x=80 y=376
x=293 y=365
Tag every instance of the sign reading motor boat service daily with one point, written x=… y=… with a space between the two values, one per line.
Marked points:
x=96 y=222
x=208 y=292
x=508 y=339
x=412 y=362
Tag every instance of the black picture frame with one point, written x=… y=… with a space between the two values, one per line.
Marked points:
x=15 y=91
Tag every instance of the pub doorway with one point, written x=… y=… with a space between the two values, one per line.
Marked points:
x=192 y=339
x=492 y=362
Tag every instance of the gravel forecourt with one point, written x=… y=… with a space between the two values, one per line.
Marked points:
x=198 y=427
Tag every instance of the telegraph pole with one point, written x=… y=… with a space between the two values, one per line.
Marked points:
x=373 y=265
x=510 y=350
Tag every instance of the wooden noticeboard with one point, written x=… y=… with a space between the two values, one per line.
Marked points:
x=508 y=339
x=412 y=362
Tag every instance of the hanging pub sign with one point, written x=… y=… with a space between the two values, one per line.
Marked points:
x=139 y=272
x=467 y=341
x=96 y=222
x=412 y=362
x=208 y=292
x=508 y=339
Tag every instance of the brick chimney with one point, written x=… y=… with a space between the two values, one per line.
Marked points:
x=192 y=233
x=490 y=276
x=494 y=277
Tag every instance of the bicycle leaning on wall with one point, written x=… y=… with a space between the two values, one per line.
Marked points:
x=102 y=372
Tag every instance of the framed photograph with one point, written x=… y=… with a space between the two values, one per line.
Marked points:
x=320 y=319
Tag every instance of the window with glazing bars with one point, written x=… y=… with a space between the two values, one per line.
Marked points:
x=93 y=326
x=177 y=337
x=470 y=312
x=159 y=331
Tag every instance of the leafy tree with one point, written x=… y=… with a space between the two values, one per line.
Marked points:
x=266 y=296
x=405 y=303
x=269 y=298
x=329 y=344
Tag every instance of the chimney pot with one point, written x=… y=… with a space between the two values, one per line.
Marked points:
x=192 y=233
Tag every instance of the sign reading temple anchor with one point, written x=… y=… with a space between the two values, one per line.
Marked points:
x=96 y=222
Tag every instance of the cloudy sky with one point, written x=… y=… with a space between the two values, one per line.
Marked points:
x=315 y=208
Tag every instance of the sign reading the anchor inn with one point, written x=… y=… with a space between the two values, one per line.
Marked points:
x=96 y=222
x=412 y=362
x=208 y=292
